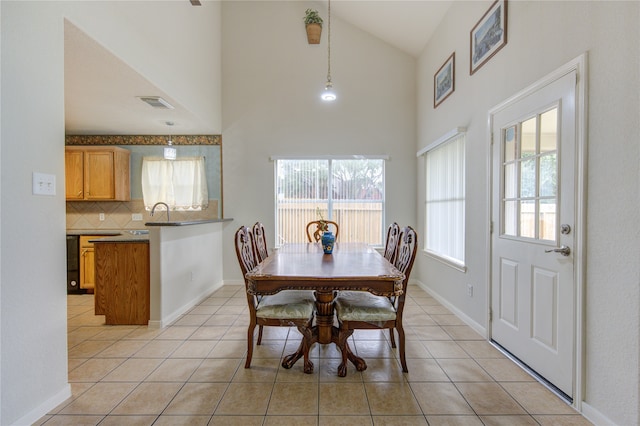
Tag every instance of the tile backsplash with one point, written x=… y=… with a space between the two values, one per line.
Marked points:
x=85 y=215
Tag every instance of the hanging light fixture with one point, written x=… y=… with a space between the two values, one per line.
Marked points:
x=328 y=94
x=169 y=151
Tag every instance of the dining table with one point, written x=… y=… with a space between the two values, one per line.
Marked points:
x=352 y=266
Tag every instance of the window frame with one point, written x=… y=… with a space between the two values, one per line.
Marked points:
x=459 y=264
x=330 y=201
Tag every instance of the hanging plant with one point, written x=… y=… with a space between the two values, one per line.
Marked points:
x=313 y=24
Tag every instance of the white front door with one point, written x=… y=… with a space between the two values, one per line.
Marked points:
x=533 y=220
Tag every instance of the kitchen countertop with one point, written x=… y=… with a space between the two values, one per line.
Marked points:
x=186 y=222
x=105 y=232
x=126 y=237
x=135 y=235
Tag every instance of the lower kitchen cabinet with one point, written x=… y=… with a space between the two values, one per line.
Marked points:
x=122 y=287
x=87 y=265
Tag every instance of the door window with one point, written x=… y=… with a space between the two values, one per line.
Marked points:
x=530 y=177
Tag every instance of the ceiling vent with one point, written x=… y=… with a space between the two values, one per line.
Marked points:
x=156 y=102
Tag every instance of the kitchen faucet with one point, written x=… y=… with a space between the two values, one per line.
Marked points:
x=153 y=209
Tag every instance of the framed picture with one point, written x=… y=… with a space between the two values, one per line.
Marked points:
x=444 y=80
x=489 y=35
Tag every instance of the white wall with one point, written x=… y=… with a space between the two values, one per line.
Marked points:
x=543 y=36
x=33 y=306
x=185 y=268
x=272 y=83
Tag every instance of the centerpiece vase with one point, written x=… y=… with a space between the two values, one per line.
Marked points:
x=328 y=240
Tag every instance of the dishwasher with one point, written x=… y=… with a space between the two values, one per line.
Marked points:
x=73 y=265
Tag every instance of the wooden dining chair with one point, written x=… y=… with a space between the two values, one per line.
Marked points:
x=260 y=242
x=284 y=309
x=391 y=244
x=363 y=310
x=316 y=228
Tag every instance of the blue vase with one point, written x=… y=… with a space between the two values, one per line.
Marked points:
x=328 y=239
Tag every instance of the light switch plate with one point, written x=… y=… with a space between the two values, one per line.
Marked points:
x=136 y=216
x=44 y=184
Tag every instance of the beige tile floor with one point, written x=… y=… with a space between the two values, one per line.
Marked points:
x=192 y=373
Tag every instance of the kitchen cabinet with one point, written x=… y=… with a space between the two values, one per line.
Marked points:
x=97 y=173
x=122 y=292
x=87 y=263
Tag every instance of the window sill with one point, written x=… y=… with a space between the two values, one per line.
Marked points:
x=452 y=263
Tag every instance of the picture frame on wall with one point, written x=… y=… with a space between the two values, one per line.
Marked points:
x=444 y=80
x=488 y=36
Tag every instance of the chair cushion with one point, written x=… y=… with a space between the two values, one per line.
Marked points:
x=288 y=304
x=363 y=306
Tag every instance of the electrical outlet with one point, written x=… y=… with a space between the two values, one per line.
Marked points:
x=136 y=216
x=192 y=276
x=469 y=290
x=101 y=216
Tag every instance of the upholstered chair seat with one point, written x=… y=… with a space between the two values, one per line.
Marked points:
x=287 y=305
x=363 y=306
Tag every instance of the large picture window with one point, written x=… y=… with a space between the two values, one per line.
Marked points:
x=349 y=191
x=445 y=199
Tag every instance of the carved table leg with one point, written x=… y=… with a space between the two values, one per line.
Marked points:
x=340 y=339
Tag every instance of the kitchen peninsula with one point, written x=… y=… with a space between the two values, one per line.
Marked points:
x=181 y=271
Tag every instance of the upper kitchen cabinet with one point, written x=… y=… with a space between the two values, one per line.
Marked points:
x=97 y=173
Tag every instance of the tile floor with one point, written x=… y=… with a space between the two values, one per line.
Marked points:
x=192 y=373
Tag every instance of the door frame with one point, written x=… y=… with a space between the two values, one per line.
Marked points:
x=579 y=65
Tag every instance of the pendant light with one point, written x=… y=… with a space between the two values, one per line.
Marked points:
x=328 y=94
x=169 y=151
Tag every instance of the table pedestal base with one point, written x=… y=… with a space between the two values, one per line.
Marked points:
x=311 y=338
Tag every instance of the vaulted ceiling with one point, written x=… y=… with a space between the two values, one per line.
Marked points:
x=96 y=81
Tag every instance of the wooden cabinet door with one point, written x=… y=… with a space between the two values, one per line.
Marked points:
x=99 y=179
x=122 y=282
x=87 y=262
x=74 y=175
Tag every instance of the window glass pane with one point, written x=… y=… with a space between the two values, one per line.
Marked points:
x=510 y=144
x=528 y=178
x=528 y=218
x=349 y=192
x=547 y=220
x=549 y=131
x=548 y=175
x=510 y=181
x=510 y=218
x=528 y=135
x=357 y=188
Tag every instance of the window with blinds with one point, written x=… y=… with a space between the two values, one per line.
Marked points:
x=349 y=191
x=445 y=199
x=181 y=183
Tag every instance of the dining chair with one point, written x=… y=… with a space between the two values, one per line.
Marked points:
x=391 y=244
x=260 y=242
x=284 y=309
x=363 y=310
x=316 y=228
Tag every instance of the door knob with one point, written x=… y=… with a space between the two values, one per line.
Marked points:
x=563 y=250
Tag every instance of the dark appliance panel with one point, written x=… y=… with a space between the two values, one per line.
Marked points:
x=73 y=265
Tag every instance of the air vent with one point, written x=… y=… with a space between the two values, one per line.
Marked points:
x=156 y=102
x=195 y=2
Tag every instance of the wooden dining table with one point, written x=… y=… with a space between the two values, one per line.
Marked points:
x=304 y=266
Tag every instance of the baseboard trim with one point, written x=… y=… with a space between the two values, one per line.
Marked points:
x=45 y=408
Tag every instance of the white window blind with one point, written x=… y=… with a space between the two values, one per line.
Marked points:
x=181 y=183
x=445 y=200
x=349 y=191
